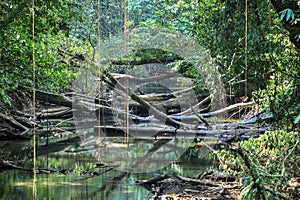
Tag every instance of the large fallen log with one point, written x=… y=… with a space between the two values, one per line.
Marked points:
x=13 y=122
x=158 y=114
x=56 y=99
x=142 y=132
x=195 y=107
x=157 y=97
x=143 y=80
x=63 y=113
x=58 y=146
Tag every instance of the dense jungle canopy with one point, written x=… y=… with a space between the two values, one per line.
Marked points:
x=273 y=39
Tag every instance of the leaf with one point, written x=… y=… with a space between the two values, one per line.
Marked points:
x=246 y=190
x=290 y=14
x=297 y=120
x=287 y=14
x=282 y=14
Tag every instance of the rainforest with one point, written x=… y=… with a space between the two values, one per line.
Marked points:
x=160 y=99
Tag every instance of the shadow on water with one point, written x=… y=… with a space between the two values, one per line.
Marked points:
x=78 y=176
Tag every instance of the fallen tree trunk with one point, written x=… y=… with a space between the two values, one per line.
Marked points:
x=53 y=98
x=143 y=80
x=158 y=114
x=65 y=113
x=154 y=180
x=7 y=135
x=195 y=107
x=13 y=122
x=58 y=146
x=228 y=109
x=157 y=97
x=141 y=132
x=195 y=181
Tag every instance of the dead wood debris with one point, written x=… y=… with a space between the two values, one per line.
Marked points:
x=212 y=185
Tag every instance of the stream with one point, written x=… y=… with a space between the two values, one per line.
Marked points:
x=79 y=175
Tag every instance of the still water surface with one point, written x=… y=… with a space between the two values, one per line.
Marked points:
x=18 y=184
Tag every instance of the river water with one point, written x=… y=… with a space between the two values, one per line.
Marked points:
x=79 y=175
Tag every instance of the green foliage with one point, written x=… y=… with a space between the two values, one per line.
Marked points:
x=52 y=73
x=284 y=99
x=297 y=119
x=274 y=156
x=220 y=27
x=287 y=14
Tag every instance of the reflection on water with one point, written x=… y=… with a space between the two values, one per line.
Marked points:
x=17 y=184
x=74 y=178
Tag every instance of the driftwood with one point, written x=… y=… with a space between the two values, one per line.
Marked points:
x=182 y=187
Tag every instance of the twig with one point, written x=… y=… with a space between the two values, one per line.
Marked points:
x=283 y=165
x=66 y=120
x=200 y=118
x=197 y=105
